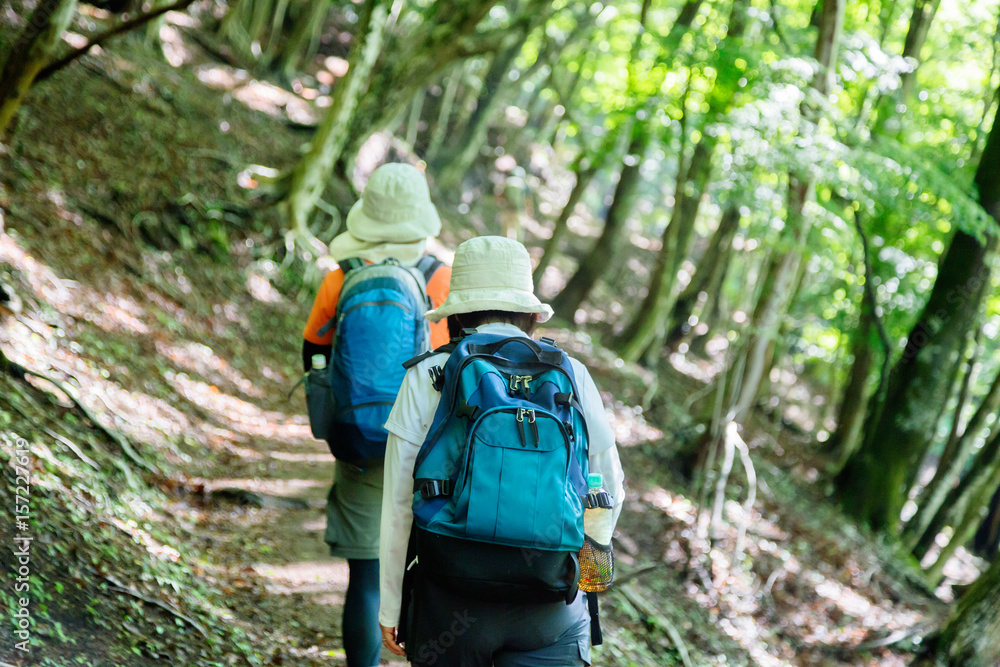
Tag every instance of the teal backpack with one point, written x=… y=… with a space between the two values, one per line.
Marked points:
x=499 y=482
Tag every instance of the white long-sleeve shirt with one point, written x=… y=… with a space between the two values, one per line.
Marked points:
x=408 y=424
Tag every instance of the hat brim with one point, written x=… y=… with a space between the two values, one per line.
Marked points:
x=474 y=300
x=346 y=245
x=426 y=223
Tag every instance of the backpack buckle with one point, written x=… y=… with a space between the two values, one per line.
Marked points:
x=434 y=488
x=437 y=377
x=519 y=381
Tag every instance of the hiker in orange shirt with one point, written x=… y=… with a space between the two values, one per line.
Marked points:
x=387 y=229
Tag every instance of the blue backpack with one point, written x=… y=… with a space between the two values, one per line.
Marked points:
x=499 y=483
x=379 y=324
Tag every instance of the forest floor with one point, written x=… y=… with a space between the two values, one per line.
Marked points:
x=177 y=497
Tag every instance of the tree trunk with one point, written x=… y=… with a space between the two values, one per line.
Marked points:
x=975 y=486
x=448 y=33
x=986 y=541
x=584 y=175
x=956 y=453
x=452 y=169
x=855 y=398
x=889 y=110
x=774 y=299
x=947 y=390
x=953 y=462
x=971 y=637
x=707 y=278
x=303 y=43
x=853 y=414
x=974 y=508
x=35 y=46
x=916 y=37
x=648 y=325
x=971 y=370
x=440 y=128
x=413 y=122
x=595 y=264
x=309 y=178
x=775 y=296
x=871 y=482
x=648 y=329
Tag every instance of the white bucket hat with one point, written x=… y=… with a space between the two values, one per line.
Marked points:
x=395 y=210
x=491 y=273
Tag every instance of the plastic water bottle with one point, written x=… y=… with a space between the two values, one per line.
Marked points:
x=318 y=362
x=597 y=564
x=597 y=518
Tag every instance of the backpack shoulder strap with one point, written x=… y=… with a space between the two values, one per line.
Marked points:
x=346 y=266
x=428 y=265
x=350 y=264
x=447 y=348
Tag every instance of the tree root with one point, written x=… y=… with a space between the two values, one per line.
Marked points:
x=115 y=435
x=117 y=585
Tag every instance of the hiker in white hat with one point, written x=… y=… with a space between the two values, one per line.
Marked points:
x=491 y=273
x=492 y=293
x=388 y=226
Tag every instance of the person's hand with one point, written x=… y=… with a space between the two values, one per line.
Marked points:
x=389 y=640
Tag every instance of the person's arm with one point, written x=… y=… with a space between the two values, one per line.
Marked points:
x=394 y=535
x=603 y=448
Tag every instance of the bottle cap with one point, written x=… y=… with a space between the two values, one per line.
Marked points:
x=319 y=361
x=594 y=480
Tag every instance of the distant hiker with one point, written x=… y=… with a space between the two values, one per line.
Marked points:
x=367 y=320
x=485 y=473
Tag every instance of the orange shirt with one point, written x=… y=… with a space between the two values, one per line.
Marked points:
x=325 y=306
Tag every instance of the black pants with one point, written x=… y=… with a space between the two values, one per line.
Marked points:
x=449 y=630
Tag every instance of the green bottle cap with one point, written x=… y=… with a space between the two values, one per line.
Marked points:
x=595 y=480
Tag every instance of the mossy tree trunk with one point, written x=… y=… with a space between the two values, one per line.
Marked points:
x=782 y=270
x=851 y=415
x=308 y=180
x=707 y=279
x=648 y=329
x=451 y=168
x=916 y=37
x=648 y=326
x=971 y=637
x=872 y=483
x=596 y=262
x=34 y=49
x=584 y=175
x=449 y=32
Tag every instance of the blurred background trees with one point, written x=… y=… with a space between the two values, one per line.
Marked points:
x=800 y=196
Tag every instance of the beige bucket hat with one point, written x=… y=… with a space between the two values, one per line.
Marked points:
x=393 y=218
x=491 y=273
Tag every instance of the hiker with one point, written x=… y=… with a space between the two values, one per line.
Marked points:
x=386 y=229
x=465 y=621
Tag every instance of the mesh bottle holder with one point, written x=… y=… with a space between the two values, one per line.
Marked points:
x=597 y=566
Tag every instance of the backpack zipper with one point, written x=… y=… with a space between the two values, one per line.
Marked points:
x=453 y=399
x=382 y=302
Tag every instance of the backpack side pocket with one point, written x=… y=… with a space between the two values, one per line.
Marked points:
x=320 y=403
